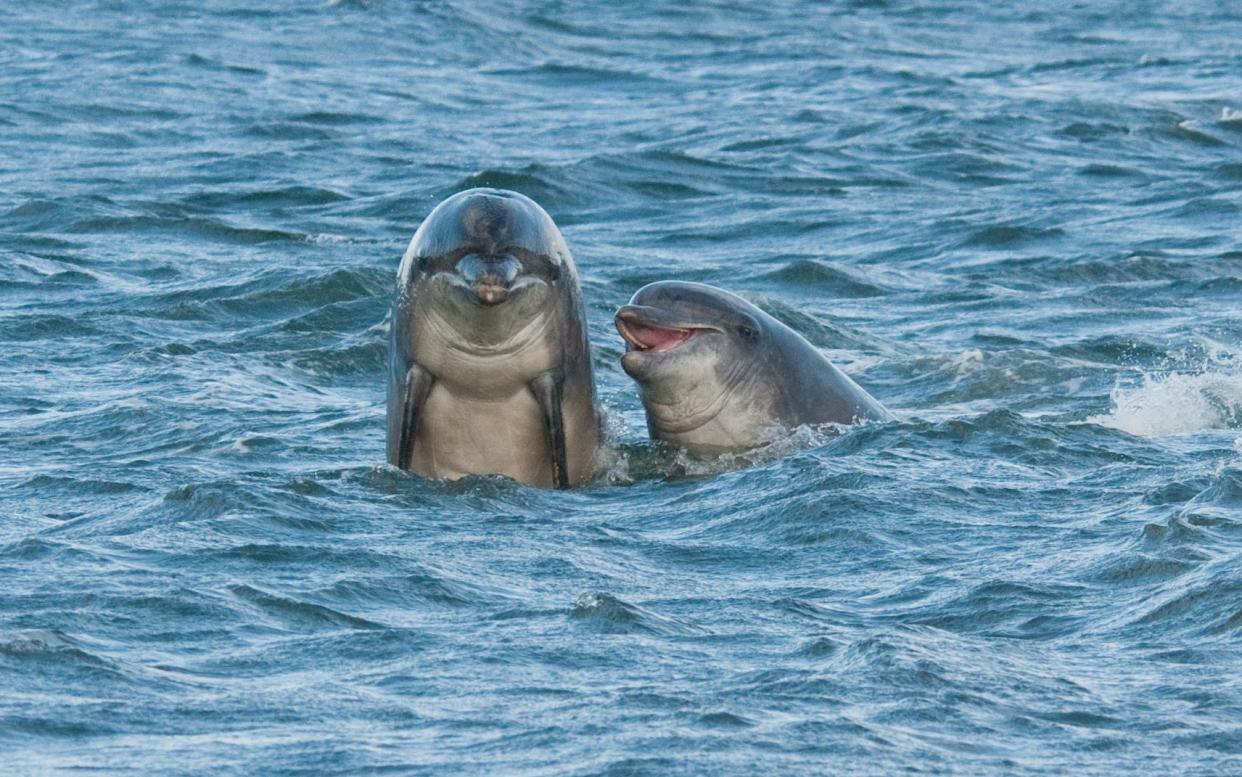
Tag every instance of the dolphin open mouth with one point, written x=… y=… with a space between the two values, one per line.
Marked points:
x=642 y=337
x=648 y=337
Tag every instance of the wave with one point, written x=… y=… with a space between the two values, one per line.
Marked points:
x=826 y=277
x=1010 y=236
x=274 y=197
x=212 y=229
x=294 y=614
x=610 y=615
x=278 y=291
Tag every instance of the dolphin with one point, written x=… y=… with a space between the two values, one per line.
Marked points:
x=717 y=374
x=489 y=364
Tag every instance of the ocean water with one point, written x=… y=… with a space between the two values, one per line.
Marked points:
x=1017 y=225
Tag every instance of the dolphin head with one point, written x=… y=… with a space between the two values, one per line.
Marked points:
x=690 y=347
x=482 y=273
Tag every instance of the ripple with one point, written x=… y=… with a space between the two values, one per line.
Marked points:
x=284 y=196
x=359 y=359
x=1188 y=132
x=967 y=168
x=828 y=278
x=564 y=75
x=274 y=292
x=48 y=648
x=726 y=720
x=1215 y=603
x=535 y=181
x=44 y=327
x=1005 y=235
x=424 y=586
x=215 y=230
x=1141 y=568
x=293 y=614
x=1081 y=130
x=209 y=63
x=1096 y=170
x=288 y=130
x=334 y=118
x=606 y=614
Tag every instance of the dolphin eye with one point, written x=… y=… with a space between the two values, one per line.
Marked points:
x=538 y=265
x=747 y=331
x=429 y=265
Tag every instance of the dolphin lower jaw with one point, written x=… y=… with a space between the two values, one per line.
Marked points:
x=451 y=345
x=671 y=418
x=675 y=412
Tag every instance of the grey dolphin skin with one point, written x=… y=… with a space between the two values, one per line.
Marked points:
x=718 y=374
x=490 y=370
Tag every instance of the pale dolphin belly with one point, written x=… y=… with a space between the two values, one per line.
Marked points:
x=460 y=435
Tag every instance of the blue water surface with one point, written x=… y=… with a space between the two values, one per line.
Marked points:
x=1016 y=224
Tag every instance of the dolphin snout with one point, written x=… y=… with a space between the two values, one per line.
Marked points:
x=491 y=277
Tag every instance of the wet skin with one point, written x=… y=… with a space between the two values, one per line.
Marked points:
x=490 y=369
x=718 y=374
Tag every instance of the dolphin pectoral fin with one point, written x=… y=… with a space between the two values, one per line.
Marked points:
x=547 y=388
x=418 y=383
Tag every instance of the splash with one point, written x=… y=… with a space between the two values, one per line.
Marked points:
x=784 y=442
x=623 y=464
x=1176 y=403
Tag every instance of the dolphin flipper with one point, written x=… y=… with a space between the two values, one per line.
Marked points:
x=418 y=383
x=547 y=388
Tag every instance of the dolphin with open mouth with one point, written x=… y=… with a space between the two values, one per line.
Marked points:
x=717 y=374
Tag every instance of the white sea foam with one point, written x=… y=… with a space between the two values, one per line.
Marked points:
x=325 y=238
x=1176 y=403
x=964 y=364
x=1230 y=116
x=623 y=466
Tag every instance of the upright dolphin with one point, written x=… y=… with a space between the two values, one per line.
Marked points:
x=718 y=374
x=490 y=370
